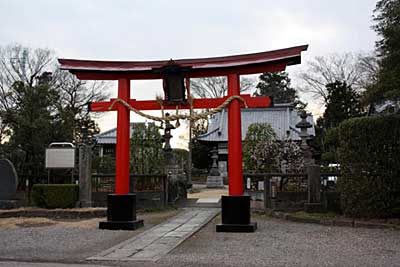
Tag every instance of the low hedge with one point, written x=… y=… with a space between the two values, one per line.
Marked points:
x=331 y=200
x=55 y=195
x=369 y=153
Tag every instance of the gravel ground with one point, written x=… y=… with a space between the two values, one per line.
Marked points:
x=201 y=191
x=276 y=243
x=64 y=241
x=282 y=243
x=43 y=264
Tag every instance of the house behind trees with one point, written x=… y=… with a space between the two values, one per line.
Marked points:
x=281 y=117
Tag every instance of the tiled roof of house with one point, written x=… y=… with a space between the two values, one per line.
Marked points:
x=110 y=136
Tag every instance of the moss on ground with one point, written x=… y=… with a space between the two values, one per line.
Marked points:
x=157 y=209
x=326 y=215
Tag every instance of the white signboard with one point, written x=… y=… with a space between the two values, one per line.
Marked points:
x=60 y=158
x=261 y=185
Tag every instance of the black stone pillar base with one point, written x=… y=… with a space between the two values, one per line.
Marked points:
x=236 y=215
x=121 y=213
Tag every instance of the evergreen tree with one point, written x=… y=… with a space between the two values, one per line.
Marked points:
x=200 y=152
x=342 y=103
x=387 y=18
x=146 y=149
x=31 y=124
x=40 y=105
x=277 y=86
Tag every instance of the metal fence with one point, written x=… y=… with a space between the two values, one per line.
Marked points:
x=284 y=187
x=138 y=182
x=275 y=182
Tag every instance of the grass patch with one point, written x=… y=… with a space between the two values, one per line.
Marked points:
x=305 y=215
x=157 y=209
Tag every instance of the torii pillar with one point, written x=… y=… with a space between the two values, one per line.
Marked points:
x=235 y=207
x=121 y=211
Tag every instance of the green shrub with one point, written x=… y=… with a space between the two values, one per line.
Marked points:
x=104 y=164
x=331 y=143
x=369 y=153
x=55 y=195
x=332 y=201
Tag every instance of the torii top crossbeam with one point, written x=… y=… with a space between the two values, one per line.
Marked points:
x=270 y=61
x=230 y=66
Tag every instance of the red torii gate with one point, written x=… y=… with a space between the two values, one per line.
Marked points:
x=230 y=66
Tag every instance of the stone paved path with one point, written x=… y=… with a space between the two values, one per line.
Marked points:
x=161 y=239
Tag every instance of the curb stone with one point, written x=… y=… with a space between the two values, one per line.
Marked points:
x=327 y=222
x=371 y=225
x=55 y=213
x=333 y=222
x=304 y=220
x=345 y=223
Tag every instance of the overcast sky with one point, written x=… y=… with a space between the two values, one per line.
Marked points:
x=146 y=30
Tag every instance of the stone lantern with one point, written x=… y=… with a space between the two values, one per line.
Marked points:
x=167 y=135
x=303 y=125
x=313 y=171
x=176 y=178
x=214 y=179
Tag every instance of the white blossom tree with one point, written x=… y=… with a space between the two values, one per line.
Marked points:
x=263 y=152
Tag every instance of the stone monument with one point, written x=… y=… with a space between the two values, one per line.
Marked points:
x=8 y=184
x=313 y=203
x=85 y=168
x=85 y=176
x=214 y=179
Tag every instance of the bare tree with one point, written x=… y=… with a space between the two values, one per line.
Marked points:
x=216 y=87
x=32 y=67
x=369 y=68
x=75 y=94
x=356 y=69
x=72 y=104
x=21 y=64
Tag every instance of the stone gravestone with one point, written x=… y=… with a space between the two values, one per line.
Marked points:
x=8 y=184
